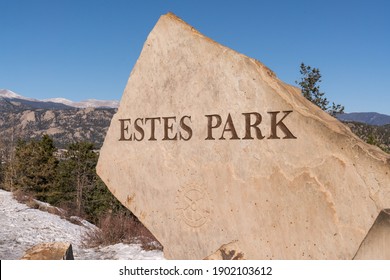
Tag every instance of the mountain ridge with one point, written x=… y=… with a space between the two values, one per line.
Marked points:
x=371 y=118
x=20 y=102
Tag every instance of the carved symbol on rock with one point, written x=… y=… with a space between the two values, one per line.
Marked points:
x=194 y=206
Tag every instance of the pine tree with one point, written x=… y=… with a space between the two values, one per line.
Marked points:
x=35 y=167
x=311 y=77
x=7 y=145
x=80 y=165
x=79 y=187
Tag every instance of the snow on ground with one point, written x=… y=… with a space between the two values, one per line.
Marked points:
x=22 y=227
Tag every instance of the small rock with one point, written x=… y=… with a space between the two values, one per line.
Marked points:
x=50 y=251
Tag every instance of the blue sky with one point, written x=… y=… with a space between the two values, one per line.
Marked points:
x=86 y=49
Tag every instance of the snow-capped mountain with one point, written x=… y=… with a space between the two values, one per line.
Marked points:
x=94 y=103
x=11 y=99
x=64 y=120
x=5 y=93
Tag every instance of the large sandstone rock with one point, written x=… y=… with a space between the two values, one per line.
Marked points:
x=209 y=148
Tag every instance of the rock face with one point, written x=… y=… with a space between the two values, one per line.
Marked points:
x=50 y=251
x=209 y=148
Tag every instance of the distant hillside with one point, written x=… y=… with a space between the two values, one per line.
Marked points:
x=372 y=134
x=64 y=120
x=64 y=126
x=367 y=118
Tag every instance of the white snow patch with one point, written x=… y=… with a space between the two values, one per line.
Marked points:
x=22 y=227
x=93 y=103
x=6 y=93
x=59 y=100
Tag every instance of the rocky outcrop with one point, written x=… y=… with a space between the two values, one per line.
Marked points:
x=64 y=126
x=209 y=147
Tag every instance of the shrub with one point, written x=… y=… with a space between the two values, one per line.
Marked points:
x=121 y=228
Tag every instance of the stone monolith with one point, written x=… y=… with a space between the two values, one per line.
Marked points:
x=209 y=148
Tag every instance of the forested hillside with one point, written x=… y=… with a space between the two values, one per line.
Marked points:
x=372 y=134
